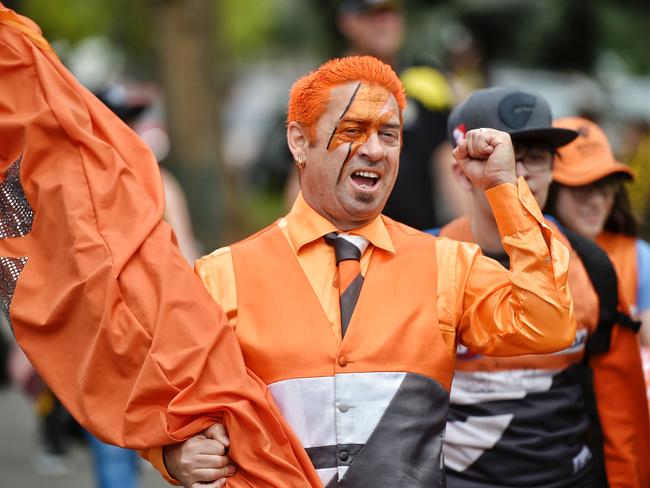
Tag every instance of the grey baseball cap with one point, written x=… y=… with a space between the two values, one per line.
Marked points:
x=523 y=114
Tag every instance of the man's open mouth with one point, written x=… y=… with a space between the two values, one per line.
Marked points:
x=365 y=179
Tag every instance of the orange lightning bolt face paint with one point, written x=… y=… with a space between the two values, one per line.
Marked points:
x=354 y=158
x=362 y=116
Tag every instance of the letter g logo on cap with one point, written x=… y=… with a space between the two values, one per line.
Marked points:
x=516 y=109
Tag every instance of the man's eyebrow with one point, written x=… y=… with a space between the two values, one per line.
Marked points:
x=391 y=125
x=365 y=121
x=347 y=107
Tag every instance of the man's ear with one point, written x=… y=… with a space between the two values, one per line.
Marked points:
x=460 y=177
x=298 y=140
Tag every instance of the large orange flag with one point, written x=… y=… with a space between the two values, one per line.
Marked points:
x=98 y=294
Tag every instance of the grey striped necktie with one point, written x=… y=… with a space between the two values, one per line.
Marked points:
x=348 y=251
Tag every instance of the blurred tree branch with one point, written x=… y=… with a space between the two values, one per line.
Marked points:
x=192 y=70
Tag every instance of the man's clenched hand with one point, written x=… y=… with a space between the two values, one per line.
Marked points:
x=487 y=158
x=202 y=460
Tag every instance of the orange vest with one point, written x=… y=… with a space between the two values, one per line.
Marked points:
x=622 y=251
x=372 y=407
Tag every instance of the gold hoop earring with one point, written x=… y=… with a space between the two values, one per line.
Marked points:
x=301 y=161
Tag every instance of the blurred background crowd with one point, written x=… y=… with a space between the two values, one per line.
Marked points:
x=205 y=84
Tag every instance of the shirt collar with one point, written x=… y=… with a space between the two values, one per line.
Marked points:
x=305 y=225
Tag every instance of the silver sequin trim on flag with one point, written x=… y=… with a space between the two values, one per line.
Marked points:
x=16 y=217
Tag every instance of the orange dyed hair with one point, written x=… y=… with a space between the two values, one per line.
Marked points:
x=310 y=94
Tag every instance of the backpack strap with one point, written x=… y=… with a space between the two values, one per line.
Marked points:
x=605 y=282
x=628 y=322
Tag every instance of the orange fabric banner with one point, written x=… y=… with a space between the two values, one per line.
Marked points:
x=98 y=294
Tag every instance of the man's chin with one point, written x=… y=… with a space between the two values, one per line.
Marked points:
x=365 y=215
x=365 y=198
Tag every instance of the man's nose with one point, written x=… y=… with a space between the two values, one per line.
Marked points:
x=372 y=149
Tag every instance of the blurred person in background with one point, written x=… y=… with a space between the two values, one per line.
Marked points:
x=589 y=197
x=421 y=197
x=531 y=420
x=463 y=60
x=56 y=427
x=378 y=28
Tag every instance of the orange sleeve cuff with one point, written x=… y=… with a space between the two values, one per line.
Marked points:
x=514 y=207
x=155 y=456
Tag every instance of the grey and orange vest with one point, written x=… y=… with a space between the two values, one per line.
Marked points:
x=370 y=410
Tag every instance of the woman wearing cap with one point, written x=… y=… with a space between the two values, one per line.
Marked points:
x=588 y=196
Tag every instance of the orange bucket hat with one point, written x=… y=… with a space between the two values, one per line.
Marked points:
x=588 y=158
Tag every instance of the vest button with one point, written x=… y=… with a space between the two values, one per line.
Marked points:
x=343 y=455
x=343 y=361
x=344 y=407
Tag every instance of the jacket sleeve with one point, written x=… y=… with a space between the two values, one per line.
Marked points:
x=217 y=274
x=97 y=292
x=529 y=308
x=619 y=388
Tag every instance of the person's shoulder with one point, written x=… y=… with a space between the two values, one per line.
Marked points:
x=224 y=254
x=213 y=260
x=260 y=233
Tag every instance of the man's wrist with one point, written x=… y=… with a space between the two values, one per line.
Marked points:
x=165 y=471
x=502 y=180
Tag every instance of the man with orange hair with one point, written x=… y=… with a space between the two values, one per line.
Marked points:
x=352 y=319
